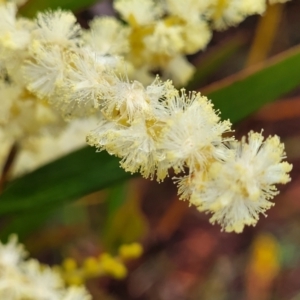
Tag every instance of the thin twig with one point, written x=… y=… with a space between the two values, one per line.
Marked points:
x=8 y=165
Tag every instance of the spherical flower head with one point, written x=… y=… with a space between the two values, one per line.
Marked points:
x=107 y=36
x=8 y=16
x=188 y=10
x=126 y=100
x=165 y=39
x=224 y=13
x=46 y=280
x=28 y=279
x=45 y=70
x=238 y=190
x=138 y=149
x=12 y=253
x=84 y=84
x=157 y=92
x=135 y=144
x=196 y=36
x=14 y=32
x=193 y=133
x=105 y=136
x=57 y=27
x=29 y=117
x=138 y=12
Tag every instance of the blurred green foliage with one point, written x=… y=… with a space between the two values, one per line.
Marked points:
x=33 y=6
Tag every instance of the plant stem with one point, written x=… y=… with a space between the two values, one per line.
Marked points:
x=12 y=154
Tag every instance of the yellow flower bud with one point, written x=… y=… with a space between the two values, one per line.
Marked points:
x=75 y=279
x=119 y=271
x=131 y=251
x=91 y=266
x=69 y=264
x=112 y=267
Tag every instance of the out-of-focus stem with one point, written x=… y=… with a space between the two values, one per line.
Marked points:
x=265 y=34
x=12 y=154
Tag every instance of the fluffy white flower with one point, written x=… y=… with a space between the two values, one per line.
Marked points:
x=12 y=253
x=27 y=279
x=14 y=32
x=105 y=136
x=107 y=36
x=43 y=282
x=238 y=190
x=127 y=99
x=138 y=12
x=137 y=148
x=193 y=132
x=188 y=10
x=224 y=13
x=134 y=144
x=165 y=39
x=57 y=27
x=23 y=115
x=158 y=92
x=86 y=79
x=196 y=36
x=45 y=70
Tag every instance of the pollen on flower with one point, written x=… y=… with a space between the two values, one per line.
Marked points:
x=128 y=98
x=86 y=80
x=193 y=133
x=46 y=70
x=57 y=27
x=237 y=190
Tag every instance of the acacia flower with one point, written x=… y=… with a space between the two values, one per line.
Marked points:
x=57 y=27
x=28 y=279
x=139 y=12
x=107 y=36
x=45 y=70
x=238 y=190
x=193 y=133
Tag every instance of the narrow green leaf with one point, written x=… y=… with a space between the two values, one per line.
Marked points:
x=116 y=198
x=25 y=223
x=127 y=224
x=33 y=6
x=81 y=172
x=240 y=95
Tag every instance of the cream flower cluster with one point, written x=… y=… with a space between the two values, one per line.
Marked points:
x=159 y=34
x=237 y=189
x=158 y=128
x=27 y=119
x=28 y=279
x=153 y=128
